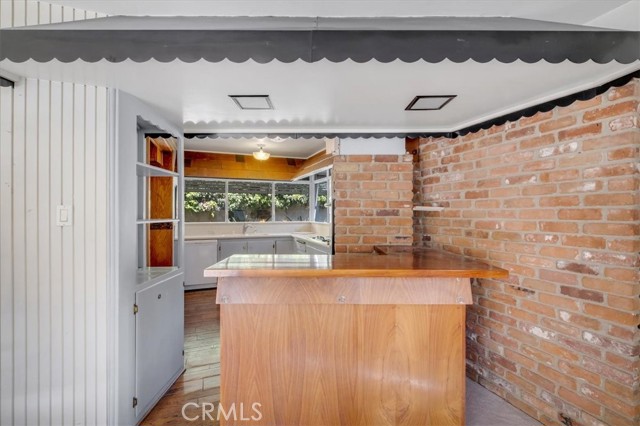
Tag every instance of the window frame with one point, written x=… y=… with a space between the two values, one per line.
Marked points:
x=312 y=196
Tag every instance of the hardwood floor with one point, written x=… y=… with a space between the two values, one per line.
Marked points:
x=200 y=383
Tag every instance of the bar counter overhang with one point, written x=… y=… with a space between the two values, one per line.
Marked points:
x=350 y=339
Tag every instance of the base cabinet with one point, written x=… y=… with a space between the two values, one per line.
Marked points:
x=159 y=340
x=199 y=255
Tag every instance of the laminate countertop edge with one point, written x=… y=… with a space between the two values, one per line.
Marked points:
x=387 y=261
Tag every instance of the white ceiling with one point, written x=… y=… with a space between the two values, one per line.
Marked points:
x=277 y=147
x=327 y=97
x=580 y=12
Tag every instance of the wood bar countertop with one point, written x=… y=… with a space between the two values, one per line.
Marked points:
x=387 y=261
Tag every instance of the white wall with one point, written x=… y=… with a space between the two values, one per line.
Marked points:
x=53 y=150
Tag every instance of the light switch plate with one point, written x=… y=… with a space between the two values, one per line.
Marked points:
x=64 y=215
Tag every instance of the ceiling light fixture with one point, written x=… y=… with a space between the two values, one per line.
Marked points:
x=429 y=103
x=261 y=154
x=252 y=101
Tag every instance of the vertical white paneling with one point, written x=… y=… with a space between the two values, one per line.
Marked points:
x=79 y=251
x=68 y=326
x=19 y=13
x=53 y=285
x=90 y=251
x=44 y=250
x=32 y=259
x=6 y=14
x=6 y=256
x=19 y=257
x=101 y=225
x=55 y=185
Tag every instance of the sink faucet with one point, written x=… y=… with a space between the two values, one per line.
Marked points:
x=246 y=227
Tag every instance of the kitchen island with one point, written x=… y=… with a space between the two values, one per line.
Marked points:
x=350 y=339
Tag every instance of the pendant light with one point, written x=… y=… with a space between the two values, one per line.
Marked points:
x=261 y=154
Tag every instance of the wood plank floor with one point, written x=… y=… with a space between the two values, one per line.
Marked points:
x=200 y=382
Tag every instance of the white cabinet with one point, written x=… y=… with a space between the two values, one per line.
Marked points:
x=261 y=246
x=312 y=249
x=305 y=247
x=227 y=248
x=199 y=255
x=159 y=327
x=285 y=246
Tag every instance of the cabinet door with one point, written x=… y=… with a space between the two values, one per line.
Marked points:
x=261 y=246
x=159 y=340
x=199 y=255
x=228 y=247
x=285 y=246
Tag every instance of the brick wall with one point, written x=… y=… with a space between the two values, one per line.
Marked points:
x=373 y=201
x=553 y=198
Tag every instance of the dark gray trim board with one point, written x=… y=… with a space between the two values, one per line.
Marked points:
x=43 y=45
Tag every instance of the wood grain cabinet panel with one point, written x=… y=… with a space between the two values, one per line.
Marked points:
x=343 y=364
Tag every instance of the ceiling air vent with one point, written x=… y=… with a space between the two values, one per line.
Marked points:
x=239 y=158
x=429 y=103
x=252 y=101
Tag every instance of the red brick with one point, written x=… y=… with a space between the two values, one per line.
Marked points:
x=610 y=200
x=580 y=105
x=582 y=186
x=519 y=133
x=535 y=118
x=607 y=142
x=561 y=302
x=610 y=286
x=580 y=320
x=559 y=123
x=580 y=132
x=608 y=372
x=610 y=111
x=591 y=295
x=557 y=377
x=583 y=241
x=558 y=351
x=580 y=401
x=580 y=214
x=606 y=400
x=578 y=268
x=620 y=274
x=537 y=141
x=624 y=184
x=625 y=91
x=609 y=171
x=623 y=215
x=562 y=201
x=560 y=175
x=537 y=379
x=537 y=354
x=623 y=123
x=476 y=194
x=612 y=229
x=563 y=227
x=612 y=315
x=579 y=372
x=387 y=158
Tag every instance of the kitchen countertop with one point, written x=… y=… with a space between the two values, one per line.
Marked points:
x=305 y=236
x=387 y=261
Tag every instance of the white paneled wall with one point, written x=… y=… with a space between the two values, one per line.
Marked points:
x=53 y=151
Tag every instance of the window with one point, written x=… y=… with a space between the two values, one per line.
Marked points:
x=292 y=201
x=249 y=201
x=204 y=201
x=218 y=200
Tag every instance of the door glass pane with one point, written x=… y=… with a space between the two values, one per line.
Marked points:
x=249 y=201
x=204 y=201
x=321 y=202
x=292 y=202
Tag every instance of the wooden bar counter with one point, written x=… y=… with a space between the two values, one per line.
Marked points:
x=350 y=339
